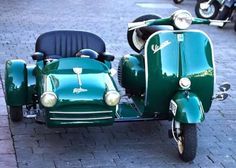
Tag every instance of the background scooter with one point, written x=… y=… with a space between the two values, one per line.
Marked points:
x=227 y=10
x=208 y=9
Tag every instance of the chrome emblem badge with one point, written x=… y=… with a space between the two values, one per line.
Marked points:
x=156 y=48
x=78 y=90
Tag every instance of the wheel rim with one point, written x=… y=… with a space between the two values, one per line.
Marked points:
x=178 y=137
x=180 y=145
x=207 y=13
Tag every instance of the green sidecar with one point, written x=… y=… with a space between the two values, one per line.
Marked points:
x=172 y=78
x=66 y=97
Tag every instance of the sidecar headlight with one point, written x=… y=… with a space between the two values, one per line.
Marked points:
x=48 y=99
x=182 y=19
x=185 y=83
x=112 y=98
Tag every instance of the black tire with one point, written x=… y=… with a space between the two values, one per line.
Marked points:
x=225 y=13
x=131 y=32
x=235 y=26
x=210 y=13
x=189 y=142
x=178 y=1
x=16 y=113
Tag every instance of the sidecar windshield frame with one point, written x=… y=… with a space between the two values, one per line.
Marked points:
x=66 y=65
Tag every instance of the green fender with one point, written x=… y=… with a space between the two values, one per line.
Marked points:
x=16 y=82
x=189 y=108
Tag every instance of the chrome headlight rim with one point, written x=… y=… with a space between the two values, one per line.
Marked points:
x=185 y=83
x=112 y=101
x=182 y=19
x=53 y=101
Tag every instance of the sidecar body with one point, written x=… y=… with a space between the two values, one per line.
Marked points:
x=79 y=98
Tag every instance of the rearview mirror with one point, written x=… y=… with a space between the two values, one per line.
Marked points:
x=221 y=96
x=39 y=56
x=224 y=87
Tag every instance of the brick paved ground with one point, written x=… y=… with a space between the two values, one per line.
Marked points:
x=143 y=144
x=7 y=152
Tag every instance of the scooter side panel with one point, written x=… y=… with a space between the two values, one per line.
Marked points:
x=198 y=65
x=161 y=72
x=169 y=57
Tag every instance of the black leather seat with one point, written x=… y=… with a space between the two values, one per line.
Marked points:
x=61 y=44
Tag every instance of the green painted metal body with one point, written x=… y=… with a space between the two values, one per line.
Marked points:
x=133 y=73
x=31 y=84
x=72 y=109
x=189 y=108
x=152 y=78
x=16 y=83
x=182 y=54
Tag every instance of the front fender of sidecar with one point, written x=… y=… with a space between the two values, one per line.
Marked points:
x=16 y=82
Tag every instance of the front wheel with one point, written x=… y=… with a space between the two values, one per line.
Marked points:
x=16 y=113
x=208 y=13
x=186 y=136
x=178 y=1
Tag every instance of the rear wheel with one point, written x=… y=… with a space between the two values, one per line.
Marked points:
x=135 y=43
x=225 y=14
x=16 y=113
x=209 y=13
x=178 y=1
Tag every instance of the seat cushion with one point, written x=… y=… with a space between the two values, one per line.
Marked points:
x=67 y=43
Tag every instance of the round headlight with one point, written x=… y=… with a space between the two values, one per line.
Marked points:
x=48 y=99
x=182 y=19
x=185 y=83
x=112 y=98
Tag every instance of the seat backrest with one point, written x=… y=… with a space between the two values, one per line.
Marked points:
x=67 y=43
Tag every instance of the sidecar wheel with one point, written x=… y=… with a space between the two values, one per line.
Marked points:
x=16 y=113
x=187 y=144
x=209 y=13
x=136 y=47
x=178 y=1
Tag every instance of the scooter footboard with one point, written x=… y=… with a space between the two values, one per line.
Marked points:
x=187 y=108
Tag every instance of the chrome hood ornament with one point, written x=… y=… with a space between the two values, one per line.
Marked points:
x=78 y=90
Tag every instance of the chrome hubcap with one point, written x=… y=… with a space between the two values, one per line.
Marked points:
x=206 y=13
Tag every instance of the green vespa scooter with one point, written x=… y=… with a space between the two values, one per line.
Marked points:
x=71 y=84
x=173 y=75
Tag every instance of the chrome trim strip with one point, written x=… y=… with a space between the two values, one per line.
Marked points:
x=80 y=112
x=81 y=119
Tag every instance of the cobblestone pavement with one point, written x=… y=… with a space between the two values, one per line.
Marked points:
x=143 y=144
